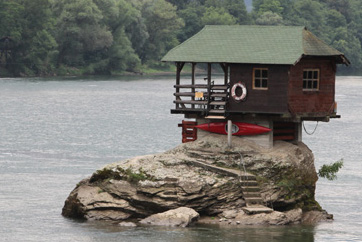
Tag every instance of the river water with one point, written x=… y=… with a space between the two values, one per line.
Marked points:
x=56 y=131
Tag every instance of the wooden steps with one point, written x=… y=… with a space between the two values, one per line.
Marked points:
x=224 y=95
x=217 y=111
x=215 y=117
x=218 y=103
x=218 y=100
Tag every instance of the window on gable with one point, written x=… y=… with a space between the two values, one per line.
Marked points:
x=311 y=79
x=260 y=78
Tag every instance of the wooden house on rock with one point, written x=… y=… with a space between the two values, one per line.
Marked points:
x=274 y=76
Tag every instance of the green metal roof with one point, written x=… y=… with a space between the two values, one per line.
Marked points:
x=251 y=44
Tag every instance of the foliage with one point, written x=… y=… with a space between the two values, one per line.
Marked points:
x=269 y=18
x=135 y=177
x=261 y=6
x=112 y=36
x=11 y=21
x=214 y=16
x=120 y=174
x=330 y=171
x=81 y=35
x=29 y=24
x=105 y=174
x=162 y=25
x=192 y=19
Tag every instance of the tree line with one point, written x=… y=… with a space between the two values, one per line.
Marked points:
x=46 y=37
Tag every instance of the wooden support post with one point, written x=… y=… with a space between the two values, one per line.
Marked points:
x=299 y=131
x=179 y=66
x=209 y=73
x=193 y=83
x=225 y=68
x=271 y=134
x=208 y=85
x=230 y=124
x=226 y=74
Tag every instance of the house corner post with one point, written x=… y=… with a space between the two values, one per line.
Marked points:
x=229 y=132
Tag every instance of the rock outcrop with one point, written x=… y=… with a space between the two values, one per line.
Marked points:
x=180 y=217
x=241 y=218
x=203 y=175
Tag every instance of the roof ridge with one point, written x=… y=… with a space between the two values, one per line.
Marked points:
x=251 y=44
x=256 y=26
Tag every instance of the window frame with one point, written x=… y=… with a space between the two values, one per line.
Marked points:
x=312 y=80
x=261 y=78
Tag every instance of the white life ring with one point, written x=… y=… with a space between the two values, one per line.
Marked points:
x=242 y=97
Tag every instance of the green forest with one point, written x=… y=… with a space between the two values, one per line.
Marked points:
x=102 y=37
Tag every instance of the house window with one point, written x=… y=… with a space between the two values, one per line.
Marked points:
x=260 y=78
x=311 y=79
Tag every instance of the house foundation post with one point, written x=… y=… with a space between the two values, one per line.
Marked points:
x=230 y=124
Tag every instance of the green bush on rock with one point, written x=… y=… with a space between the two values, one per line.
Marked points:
x=330 y=171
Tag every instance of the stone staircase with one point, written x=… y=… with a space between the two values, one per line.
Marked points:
x=250 y=189
x=249 y=186
x=252 y=196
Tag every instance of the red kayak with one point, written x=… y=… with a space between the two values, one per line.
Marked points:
x=237 y=129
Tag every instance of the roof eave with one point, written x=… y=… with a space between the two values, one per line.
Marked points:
x=344 y=60
x=340 y=59
x=230 y=62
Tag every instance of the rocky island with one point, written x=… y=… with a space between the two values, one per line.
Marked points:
x=204 y=181
x=271 y=84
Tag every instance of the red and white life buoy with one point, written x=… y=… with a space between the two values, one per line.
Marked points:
x=242 y=97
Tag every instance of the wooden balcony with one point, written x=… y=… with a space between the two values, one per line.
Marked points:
x=203 y=98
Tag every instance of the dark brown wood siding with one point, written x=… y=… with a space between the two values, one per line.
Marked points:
x=272 y=100
x=312 y=103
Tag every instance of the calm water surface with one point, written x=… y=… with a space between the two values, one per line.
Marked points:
x=55 y=132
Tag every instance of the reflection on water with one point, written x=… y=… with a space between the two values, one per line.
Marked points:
x=55 y=132
x=99 y=231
